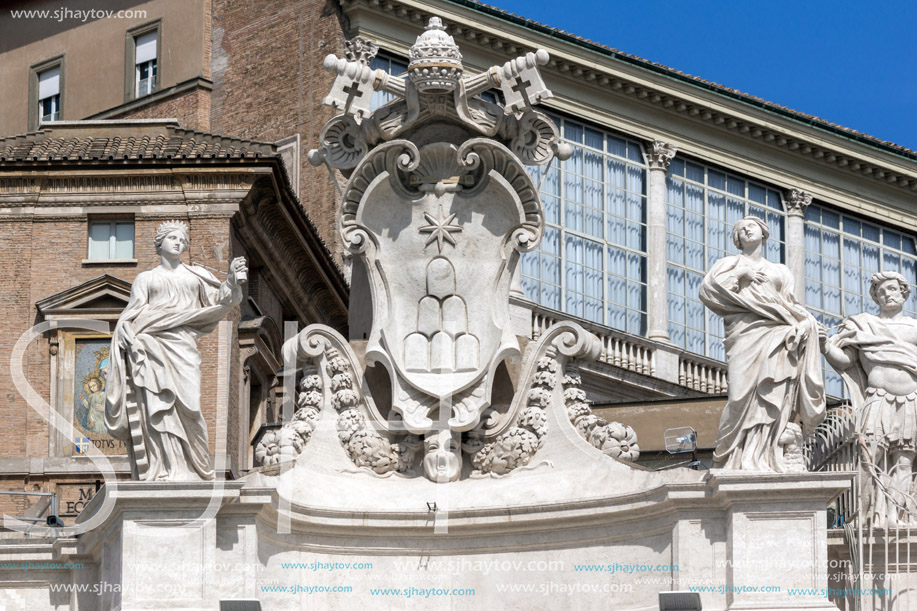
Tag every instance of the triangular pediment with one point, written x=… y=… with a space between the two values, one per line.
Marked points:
x=102 y=297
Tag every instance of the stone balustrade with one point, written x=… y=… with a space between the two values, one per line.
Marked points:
x=640 y=355
x=701 y=373
x=618 y=348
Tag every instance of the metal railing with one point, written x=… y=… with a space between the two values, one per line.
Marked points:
x=51 y=519
x=833 y=448
x=878 y=515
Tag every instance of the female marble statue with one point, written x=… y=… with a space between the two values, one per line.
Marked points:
x=153 y=399
x=773 y=347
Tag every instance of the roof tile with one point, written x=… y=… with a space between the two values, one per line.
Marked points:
x=94 y=140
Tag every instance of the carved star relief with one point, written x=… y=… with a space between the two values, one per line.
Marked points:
x=440 y=229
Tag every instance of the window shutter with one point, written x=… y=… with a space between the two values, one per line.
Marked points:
x=49 y=83
x=146 y=47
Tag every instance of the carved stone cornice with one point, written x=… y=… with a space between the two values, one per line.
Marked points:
x=219 y=181
x=313 y=286
x=118 y=182
x=103 y=184
x=636 y=80
x=796 y=201
x=661 y=155
x=20 y=185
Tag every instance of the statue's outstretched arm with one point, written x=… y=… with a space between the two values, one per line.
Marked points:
x=838 y=353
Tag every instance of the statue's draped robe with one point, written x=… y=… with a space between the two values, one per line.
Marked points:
x=774 y=364
x=167 y=312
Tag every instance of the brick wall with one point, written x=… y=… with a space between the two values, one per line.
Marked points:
x=190 y=107
x=269 y=83
x=15 y=272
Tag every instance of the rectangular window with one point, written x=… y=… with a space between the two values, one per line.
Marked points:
x=49 y=94
x=145 y=63
x=142 y=47
x=111 y=240
x=46 y=91
x=703 y=204
x=592 y=260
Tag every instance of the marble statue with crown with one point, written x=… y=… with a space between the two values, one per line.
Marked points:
x=153 y=398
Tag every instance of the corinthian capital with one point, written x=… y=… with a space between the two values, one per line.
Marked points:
x=661 y=156
x=796 y=202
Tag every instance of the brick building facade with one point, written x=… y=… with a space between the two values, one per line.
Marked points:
x=253 y=70
x=236 y=198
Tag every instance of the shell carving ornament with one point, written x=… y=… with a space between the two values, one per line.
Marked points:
x=437 y=209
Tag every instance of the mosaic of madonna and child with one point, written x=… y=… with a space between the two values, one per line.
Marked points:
x=90 y=368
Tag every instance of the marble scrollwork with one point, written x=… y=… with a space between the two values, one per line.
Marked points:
x=365 y=446
x=536 y=141
x=342 y=145
x=473 y=206
x=437 y=210
x=516 y=447
x=518 y=434
x=329 y=378
x=612 y=438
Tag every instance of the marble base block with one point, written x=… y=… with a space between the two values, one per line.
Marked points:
x=744 y=540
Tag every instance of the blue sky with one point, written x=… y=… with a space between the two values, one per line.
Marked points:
x=850 y=63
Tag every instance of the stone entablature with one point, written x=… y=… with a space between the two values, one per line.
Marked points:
x=583 y=76
x=60 y=193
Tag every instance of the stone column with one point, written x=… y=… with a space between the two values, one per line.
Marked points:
x=796 y=201
x=656 y=278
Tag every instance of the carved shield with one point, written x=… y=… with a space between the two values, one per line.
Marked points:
x=441 y=230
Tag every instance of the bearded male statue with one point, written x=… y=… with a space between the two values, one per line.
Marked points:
x=877 y=357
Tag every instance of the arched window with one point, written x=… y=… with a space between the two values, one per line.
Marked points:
x=592 y=260
x=703 y=204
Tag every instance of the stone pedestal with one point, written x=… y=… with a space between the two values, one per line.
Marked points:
x=158 y=547
x=776 y=544
x=745 y=540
